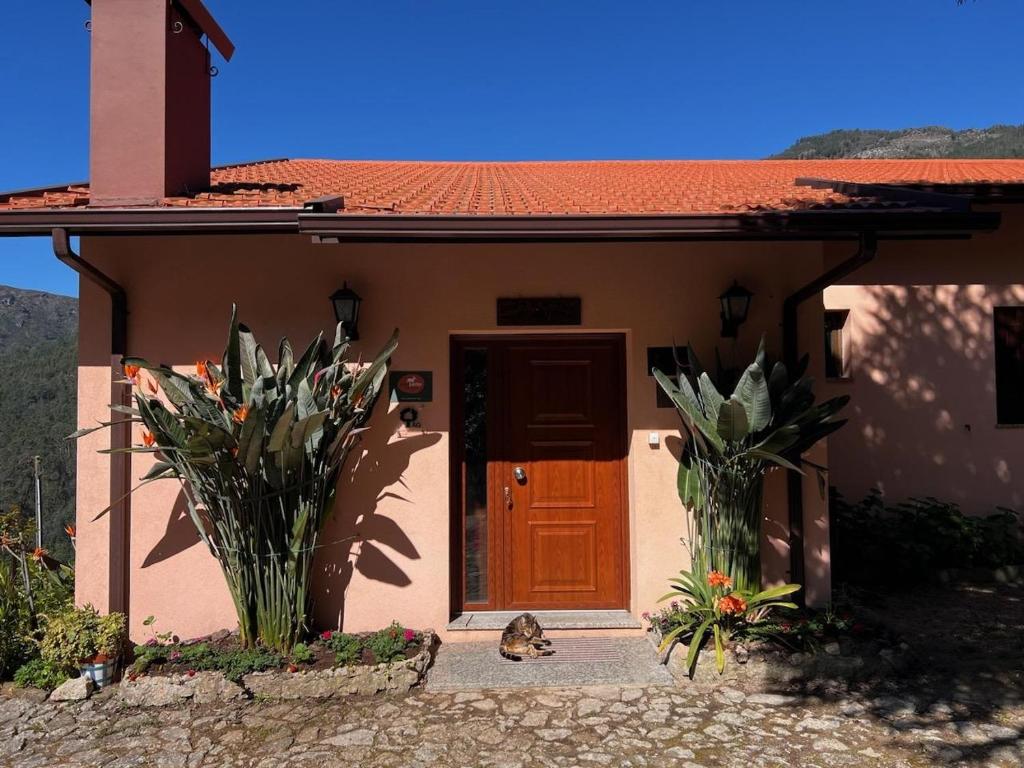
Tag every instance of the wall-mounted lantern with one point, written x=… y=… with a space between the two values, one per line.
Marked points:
x=346 y=310
x=735 y=306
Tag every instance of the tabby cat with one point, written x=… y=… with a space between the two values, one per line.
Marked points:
x=523 y=637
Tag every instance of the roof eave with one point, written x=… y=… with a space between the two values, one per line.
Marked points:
x=775 y=225
x=334 y=227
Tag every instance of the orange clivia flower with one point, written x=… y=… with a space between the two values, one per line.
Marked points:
x=39 y=553
x=149 y=439
x=239 y=415
x=69 y=530
x=131 y=372
x=732 y=604
x=719 y=579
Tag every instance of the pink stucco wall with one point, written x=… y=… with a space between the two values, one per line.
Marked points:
x=180 y=290
x=923 y=378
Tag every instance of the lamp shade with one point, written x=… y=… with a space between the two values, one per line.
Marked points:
x=346 y=309
x=735 y=307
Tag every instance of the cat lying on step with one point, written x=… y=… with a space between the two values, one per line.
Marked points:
x=523 y=637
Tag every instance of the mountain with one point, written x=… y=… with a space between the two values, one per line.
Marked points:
x=932 y=141
x=38 y=378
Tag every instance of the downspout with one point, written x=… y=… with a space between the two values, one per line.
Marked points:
x=866 y=251
x=119 y=545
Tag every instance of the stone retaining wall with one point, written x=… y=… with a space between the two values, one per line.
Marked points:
x=208 y=687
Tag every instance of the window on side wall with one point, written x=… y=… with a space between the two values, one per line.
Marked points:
x=1009 y=338
x=837 y=344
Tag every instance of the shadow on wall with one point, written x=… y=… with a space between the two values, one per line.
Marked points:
x=355 y=537
x=923 y=413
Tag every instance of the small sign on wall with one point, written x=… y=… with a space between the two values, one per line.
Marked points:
x=411 y=386
x=566 y=310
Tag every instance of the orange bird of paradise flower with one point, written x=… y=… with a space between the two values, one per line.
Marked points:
x=131 y=372
x=149 y=439
x=70 y=531
x=239 y=415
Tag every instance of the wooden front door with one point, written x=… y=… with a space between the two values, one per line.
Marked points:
x=554 y=418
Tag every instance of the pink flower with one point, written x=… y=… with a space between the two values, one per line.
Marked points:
x=409 y=635
x=326 y=634
x=646 y=615
x=175 y=655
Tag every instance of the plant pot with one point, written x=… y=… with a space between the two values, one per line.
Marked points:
x=99 y=669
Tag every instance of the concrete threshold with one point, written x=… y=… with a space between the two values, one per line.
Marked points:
x=498 y=620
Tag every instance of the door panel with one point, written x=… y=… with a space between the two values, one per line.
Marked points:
x=564 y=521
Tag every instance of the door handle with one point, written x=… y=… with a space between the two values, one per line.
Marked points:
x=519 y=474
x=508 y=497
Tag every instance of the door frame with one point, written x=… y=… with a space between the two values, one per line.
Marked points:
x=496 y=533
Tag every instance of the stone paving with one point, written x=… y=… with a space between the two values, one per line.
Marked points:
x=591 y=726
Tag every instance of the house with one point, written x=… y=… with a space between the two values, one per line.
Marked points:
x=531 y=465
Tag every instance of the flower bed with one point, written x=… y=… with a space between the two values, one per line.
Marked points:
x=804 y=647
x=215 y=668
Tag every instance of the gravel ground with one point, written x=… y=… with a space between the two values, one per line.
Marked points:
x=962 y=704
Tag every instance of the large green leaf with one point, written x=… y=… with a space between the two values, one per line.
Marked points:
x=685 y=400
x=233 y=360
x=719 y=649
x=733 y=425
x=279 y=434
x=712 y=398
x=688 y=482
x=752 y=391
x=779 y=440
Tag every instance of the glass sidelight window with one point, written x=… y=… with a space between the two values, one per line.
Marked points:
x=474 y=431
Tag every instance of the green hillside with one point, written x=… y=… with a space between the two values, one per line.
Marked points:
x=38 y=371
x=998 y=141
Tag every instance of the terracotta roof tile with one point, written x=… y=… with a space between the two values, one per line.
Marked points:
x=571 y=187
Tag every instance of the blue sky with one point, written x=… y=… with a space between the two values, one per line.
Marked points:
x=526 y=79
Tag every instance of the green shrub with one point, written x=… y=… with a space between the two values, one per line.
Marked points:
x=15 y=647
x=301 y=654
x=39 y=674
x=875 y=544
x=79 y=634
x=388 y=644
x=236 y=664
x=347 y=648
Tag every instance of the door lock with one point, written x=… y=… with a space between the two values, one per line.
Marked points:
x=519 y=474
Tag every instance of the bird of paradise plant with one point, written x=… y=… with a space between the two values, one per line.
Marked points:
x=769 y=421
x=258 y=451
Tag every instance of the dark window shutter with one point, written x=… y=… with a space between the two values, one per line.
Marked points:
x=1009 y=341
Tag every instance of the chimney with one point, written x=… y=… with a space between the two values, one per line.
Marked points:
x=150 y=99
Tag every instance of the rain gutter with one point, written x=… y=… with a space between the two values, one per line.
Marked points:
x=119 y=519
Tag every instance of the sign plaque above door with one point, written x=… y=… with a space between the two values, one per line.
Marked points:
x=540 y=311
